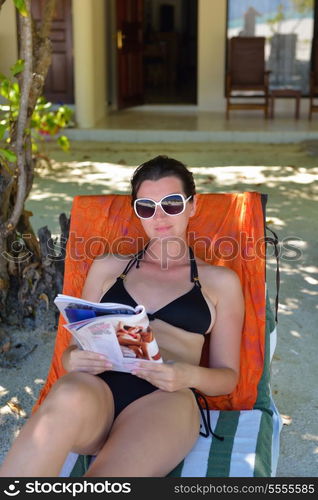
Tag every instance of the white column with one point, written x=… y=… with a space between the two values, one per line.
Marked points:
x=8 y=37
x=89 y=61
x=211 y=54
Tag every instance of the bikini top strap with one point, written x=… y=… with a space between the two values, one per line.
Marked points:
x=193 y=269
x=140 y=254
x=138 y=257
x=133 y=261
x=130 y=264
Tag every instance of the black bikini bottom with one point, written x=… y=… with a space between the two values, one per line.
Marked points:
x=127 y=388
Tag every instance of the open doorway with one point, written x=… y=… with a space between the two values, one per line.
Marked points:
x=152 y=52
x=170 y=52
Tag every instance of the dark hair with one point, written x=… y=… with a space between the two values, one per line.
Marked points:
x=159 y=167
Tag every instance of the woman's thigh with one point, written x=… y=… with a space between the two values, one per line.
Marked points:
x=85 y=401
x=150 y=436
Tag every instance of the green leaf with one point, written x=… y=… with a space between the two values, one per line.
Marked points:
x=3 y=77
x=64 y=142
x=20 y=5
x=3 y=128
x=18 y=67
x=8 y=155
x=5 y=87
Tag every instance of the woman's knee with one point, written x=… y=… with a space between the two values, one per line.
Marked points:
x=75 y=390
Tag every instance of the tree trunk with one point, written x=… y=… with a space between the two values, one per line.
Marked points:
x=30 y=277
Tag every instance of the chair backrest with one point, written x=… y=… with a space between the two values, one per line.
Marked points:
x=246 y=64
x=228 y=230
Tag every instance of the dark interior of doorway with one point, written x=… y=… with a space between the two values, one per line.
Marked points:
x=170 y=52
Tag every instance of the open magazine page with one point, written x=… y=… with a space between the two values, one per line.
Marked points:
x=98 y=336
x=123 y=337
x=122 y=343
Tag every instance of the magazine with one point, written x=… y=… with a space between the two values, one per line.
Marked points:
x=119 y=331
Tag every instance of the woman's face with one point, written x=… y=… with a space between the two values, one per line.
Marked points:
x=162 y=225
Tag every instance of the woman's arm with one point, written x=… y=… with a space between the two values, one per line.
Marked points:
x=73 y=358
x=225 y=339
x=97 y=275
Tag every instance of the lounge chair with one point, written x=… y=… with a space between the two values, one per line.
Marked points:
x=229 y=229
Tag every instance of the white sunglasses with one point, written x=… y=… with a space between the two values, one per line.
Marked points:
x=172 y=204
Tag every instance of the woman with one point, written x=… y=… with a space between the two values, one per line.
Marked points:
x=145 y=423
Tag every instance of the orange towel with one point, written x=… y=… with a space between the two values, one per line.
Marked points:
x=227 y=230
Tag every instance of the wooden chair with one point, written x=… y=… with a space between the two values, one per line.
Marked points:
x=246 y=76
x=313 y=83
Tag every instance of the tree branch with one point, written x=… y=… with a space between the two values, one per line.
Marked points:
x=49 y=10
x=26 y=81
x=42 y=53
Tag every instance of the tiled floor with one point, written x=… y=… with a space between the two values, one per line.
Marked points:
x=186 y=123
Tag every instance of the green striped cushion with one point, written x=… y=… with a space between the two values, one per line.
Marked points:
x=245 y=451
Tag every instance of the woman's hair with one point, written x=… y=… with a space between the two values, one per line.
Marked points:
x=159 y=167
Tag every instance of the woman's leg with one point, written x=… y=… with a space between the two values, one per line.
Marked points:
x=76 y=416
x=150 y=436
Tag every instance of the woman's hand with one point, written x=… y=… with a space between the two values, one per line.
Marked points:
x=170 y=376
x=75 y=359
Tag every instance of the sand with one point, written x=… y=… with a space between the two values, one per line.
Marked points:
x=288 y=173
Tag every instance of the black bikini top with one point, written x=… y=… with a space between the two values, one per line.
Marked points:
x=189 y=311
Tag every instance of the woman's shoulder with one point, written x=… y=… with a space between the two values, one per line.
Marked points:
x=104 y=269
x=110 y=262
x=112 y=258
x=222 y=284
x=216 y=276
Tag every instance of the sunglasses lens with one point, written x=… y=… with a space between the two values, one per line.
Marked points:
x=145 y=208
x=173 y=204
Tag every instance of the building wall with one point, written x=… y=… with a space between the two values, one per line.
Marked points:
x=101 y=62
x=8 y=37
x=211 y=54
x=90 y=61
x=111 y=67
